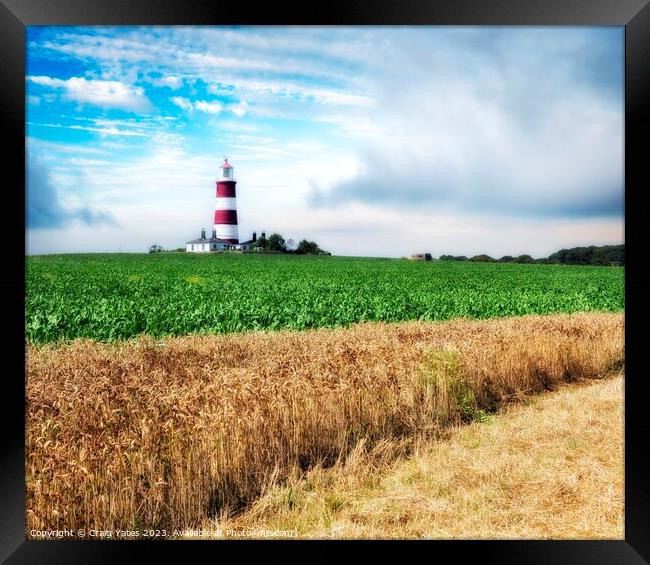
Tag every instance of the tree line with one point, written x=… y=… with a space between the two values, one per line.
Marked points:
x=275 y=243
x=278 y=244
x=605 y=255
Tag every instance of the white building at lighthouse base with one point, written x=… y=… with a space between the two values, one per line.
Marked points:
x=210 y=244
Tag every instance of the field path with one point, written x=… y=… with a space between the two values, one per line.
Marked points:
x=551 y=468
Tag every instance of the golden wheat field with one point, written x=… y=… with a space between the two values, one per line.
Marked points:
x=171 y=434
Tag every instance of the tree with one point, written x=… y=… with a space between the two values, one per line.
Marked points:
x=277 y=242
x=155 y=248
x=261 y=243
x=592 y=255
x=453 y=258
x=524 y=259
x=305 y=247
x=483 y=259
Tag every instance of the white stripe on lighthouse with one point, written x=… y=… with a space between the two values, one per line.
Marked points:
x=226 y=231
x=224 y=203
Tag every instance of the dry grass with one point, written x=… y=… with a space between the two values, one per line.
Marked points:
x=549 y=470
x=167 y=433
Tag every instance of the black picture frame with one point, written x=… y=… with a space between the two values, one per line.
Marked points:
x=15 y=15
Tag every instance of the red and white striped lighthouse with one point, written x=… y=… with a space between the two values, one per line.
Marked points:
x=225 y=214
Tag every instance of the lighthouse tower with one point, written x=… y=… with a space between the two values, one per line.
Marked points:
x=225 y=214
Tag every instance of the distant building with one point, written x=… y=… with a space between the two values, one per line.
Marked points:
x=421 y=257
x=246 y=245
x=207 y=244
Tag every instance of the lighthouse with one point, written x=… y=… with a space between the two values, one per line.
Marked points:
x=225 y=233
x=225 y=214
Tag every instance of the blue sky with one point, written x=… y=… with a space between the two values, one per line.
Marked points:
x=379 y=141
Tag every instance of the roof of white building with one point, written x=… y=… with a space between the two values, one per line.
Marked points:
x=209 y=240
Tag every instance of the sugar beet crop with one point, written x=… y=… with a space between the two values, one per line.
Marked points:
x=108 y=297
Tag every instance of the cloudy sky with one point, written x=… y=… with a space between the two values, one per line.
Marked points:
x=379 y=141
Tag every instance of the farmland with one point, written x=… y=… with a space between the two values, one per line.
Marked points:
x=118 y=296
x=172 y=433
x=177 y=391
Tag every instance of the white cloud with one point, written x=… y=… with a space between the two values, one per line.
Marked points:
x=299 y=91
x=204 y=50
x=239 y=109
x=170 y=81
x=208 y=107
x=104 y=93
x=47 y=81
x=204 y=106
x=87 y=162
x=280 y=74
x=108 y=130
x=114 y=49
x=509 y=132
x=182 y=103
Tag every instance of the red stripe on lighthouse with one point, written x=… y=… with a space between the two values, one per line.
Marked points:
x=225 y=217
x=226 y=189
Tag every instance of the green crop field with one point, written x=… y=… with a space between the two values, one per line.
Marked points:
x=116 y=296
